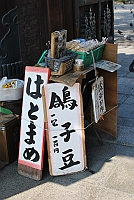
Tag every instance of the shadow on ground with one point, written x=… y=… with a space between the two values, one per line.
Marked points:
x=11 y=183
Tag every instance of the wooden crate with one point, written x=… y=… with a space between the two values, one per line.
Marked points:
x=9 y=137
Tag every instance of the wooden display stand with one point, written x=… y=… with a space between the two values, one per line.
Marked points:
x=109 y=125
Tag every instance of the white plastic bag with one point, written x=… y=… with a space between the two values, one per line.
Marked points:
x=11 y=89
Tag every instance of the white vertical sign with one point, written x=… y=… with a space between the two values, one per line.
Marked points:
x=98 y=98
x=32 y=120
x=65 y=128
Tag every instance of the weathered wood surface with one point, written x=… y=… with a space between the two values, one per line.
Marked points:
x=5 y=6
x=109 y=124
x=37 y=20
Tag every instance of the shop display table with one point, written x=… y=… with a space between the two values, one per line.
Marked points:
x=109 y=124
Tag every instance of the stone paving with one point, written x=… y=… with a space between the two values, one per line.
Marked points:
x=123 y=17
x=112 y=162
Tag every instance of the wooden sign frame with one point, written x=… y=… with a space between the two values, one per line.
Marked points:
x=111 y=92
x=58 y=122
x=32 y=134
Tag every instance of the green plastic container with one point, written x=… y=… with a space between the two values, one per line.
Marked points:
x=87 y=57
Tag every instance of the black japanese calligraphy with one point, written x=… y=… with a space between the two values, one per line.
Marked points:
x=34 y=108
x=67 y=102
x=31 y=133
x=98 y=98
x=53 y=121
x=68 y=160
x=100 y=90
x=55 y=143
x=38 y=83
x=31 y=154
x=100 y=86
x=56 y=150
x=67 y=132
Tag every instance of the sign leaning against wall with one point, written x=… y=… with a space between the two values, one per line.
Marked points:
x=32 y=134
x=65 y=128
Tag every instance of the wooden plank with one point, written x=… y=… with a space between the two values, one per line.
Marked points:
x=109 y=124
x=32 y=134
x=65 y=135
x=29 y=172
x=46 y=128
x=35 y=28
x=110 y=52
x=29 y=31
x=68 y=18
